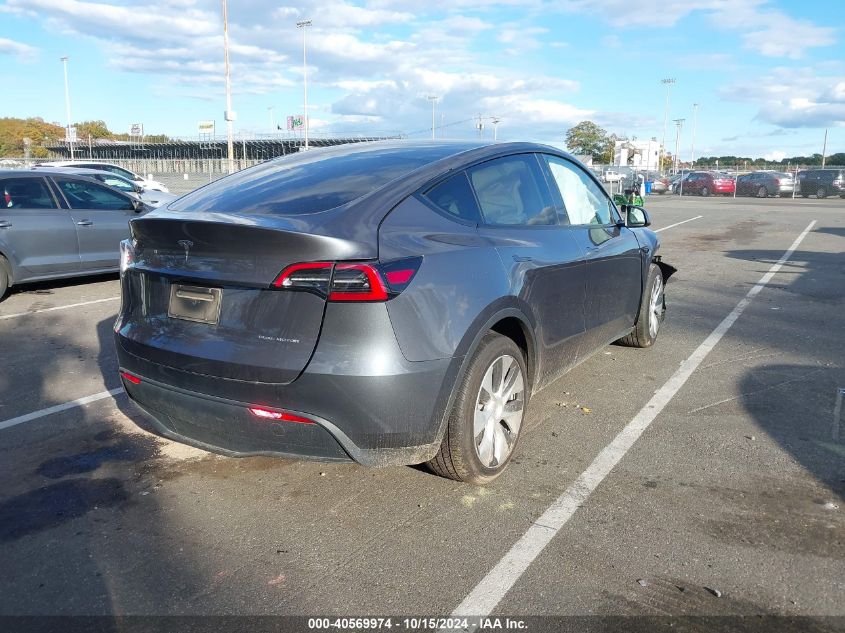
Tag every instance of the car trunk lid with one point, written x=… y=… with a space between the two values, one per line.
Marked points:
x=200 y=296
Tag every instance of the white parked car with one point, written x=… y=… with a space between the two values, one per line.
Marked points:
x=150 y=197
x=145 y=183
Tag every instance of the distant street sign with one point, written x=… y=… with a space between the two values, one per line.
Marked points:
x=70 y=134
x=205 y=128
x=136 y=129
x=296 y=121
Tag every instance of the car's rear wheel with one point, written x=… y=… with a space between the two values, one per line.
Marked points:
x=705 y=191
x=486 y=418
x=4 y=276
x=762 y=192
x=651 y=314
x=821 y=192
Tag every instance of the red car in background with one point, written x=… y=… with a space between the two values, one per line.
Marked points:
x=705 y=183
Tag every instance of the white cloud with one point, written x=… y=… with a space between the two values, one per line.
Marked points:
x=24 y=52
x=775 y=156
x=794 y=97
x=770 y=32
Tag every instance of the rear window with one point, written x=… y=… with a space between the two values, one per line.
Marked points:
x=310 y=182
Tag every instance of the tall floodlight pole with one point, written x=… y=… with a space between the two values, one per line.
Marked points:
x=824 y=147
x=496 y=128
x=668 y=83
x=304 y=24
x=229 y=114
x=678 y=124
x=67 y=106
x=433 y=99
x=694 y=124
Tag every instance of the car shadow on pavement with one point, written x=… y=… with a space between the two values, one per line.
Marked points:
x=794 y=402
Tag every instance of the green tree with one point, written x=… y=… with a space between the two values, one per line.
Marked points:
x=587 y=138
x=96 y=129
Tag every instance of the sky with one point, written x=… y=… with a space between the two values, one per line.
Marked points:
x=768 y=75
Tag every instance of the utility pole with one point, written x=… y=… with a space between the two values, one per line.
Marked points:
x=824 y=147
x=304 y=24
x=67 y=107
x=496 y=128
x=678 y=124
x=694 y=124
x=230 y=116
x=433 y=99
x=668 y=83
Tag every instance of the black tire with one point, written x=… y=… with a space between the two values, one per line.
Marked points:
x=4 y=276
x=705 y=192
x=458 y=457
x=762 y=192
x=651 y=314
x=821 y=193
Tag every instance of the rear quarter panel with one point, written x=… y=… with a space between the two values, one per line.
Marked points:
x=460 y=280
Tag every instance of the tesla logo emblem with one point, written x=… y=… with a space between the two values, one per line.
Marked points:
x=186 y=244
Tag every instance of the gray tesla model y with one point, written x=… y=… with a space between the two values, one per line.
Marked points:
x=387 y=303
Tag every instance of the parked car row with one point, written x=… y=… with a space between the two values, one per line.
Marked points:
x=55 y=223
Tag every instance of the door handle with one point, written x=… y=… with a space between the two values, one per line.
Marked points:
x=5 y=224
x=523 y=258
x=84 y=223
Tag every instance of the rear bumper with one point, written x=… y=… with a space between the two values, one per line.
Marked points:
x=369 y=404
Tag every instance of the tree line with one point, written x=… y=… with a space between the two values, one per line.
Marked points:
x=40 y=133
x=589 y=139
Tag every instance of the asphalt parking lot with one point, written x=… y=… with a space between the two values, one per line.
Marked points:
x=731 y=502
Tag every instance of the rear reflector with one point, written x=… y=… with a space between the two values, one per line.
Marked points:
x=133 y=379
x=284 y=416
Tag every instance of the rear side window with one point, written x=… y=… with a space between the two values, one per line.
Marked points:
x=455 y=197
x=89 y=195
x=26 y=193
x=511 y=191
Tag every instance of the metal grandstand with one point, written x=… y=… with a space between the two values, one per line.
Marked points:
x=180 y=149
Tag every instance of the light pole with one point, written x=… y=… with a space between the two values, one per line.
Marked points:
x=678 y=124
x=694 y=124
x=230 y=116
x=668 y=83
x=272 y=112
x=304 y=24
x=824 y=147
x=496 y=128
x=67 y=107
x=433 y=99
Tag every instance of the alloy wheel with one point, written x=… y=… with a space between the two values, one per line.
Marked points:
x=499 y=409
x=655 y=307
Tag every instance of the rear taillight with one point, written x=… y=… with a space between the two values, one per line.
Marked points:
x=357 y=282
x=350 y=281
x=310 y=276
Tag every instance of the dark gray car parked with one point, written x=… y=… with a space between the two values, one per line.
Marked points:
x=53 y=224
x=389 y=303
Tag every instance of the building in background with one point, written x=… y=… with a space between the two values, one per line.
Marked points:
x=643 y=155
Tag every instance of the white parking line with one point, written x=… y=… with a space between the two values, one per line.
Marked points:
x=5 y=424
x=677 y=224
x=489 y=592
x=72 y=305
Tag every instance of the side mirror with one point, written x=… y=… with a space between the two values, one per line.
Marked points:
x=636 y=216
x=138 y=206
